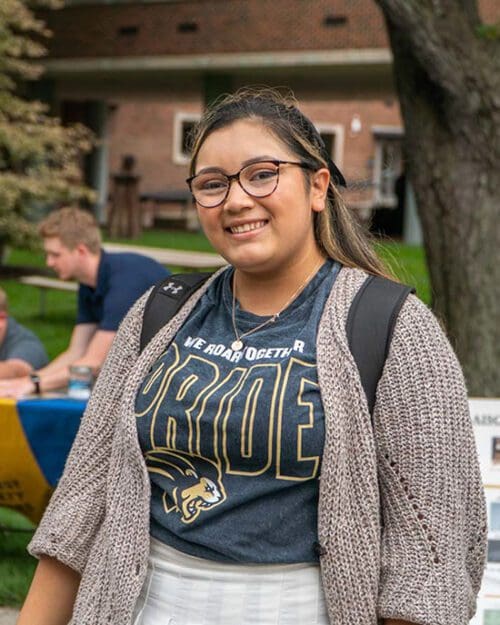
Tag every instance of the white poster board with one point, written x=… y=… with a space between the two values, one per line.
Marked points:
x=485 y=414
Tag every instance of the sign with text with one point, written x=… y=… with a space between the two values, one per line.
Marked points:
x=37 y=435
x=485 y=415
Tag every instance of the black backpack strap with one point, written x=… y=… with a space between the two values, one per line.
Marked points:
x=166 y=299
x=370 y=325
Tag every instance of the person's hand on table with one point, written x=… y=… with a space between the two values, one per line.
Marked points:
x=16 y=387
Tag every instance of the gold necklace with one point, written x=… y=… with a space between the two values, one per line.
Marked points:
x=237 y=345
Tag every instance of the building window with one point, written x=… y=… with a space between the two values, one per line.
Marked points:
x=493 y=551
x=183 y=127
x=334 y=20
x=128 y=31
x=187 y=27
x=387 y=165
x=494 y=521
x=333 y=137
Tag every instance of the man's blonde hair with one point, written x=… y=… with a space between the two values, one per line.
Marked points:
x=3 y=301
x=72 y=226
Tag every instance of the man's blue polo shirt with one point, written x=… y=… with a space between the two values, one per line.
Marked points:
x=121 y=279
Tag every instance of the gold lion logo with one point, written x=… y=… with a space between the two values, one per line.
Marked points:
x=188 y=488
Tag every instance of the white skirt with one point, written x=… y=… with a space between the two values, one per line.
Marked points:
x=184 y=590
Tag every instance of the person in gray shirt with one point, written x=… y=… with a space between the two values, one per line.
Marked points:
x=21 y=351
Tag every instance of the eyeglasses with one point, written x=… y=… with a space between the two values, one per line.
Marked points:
x=260 y=179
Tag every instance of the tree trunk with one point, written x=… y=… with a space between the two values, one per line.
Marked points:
x=448 y=80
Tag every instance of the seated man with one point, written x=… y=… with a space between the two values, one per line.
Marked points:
x=109 y=285
x=21 y=351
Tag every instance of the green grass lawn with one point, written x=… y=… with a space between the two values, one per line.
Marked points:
x=16 y=567
x=175 y=239
x=54 y=329
x=407 y=263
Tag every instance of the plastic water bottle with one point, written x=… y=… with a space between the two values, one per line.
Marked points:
x=80 y=382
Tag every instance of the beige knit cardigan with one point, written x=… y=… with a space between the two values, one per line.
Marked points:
x=402 y=523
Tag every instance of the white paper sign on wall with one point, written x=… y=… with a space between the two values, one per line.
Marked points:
x=485 y=414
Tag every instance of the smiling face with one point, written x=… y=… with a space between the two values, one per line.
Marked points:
x=272 y=233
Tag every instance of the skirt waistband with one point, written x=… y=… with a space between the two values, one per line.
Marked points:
x=161 y=552
x=181 y=589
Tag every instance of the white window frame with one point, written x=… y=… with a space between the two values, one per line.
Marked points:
x=379 y=134
x=178 y=156
x=339 y=132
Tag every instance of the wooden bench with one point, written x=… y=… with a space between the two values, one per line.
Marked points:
x=175 y=204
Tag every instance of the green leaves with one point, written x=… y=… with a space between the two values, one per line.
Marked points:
x=490 y=32
x=39 y=157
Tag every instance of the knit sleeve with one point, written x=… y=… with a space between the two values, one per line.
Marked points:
x=433 y=510
x=76 y=509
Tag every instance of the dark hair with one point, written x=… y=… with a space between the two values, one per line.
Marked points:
x=337 y=230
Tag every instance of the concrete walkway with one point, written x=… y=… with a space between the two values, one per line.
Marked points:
x=8 y=616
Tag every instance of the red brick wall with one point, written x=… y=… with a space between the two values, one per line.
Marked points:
x=144 y=128
x=490 y=10
x=142 y=123
x=223 y=26
x=357 y=159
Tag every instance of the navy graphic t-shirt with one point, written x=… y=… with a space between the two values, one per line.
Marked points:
x=233 y=440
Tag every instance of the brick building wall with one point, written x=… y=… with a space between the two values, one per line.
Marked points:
x=145 y=129
x=490 y=11
x=144 y=102
x=218 y=26
x=208 y=26
x=357 y=158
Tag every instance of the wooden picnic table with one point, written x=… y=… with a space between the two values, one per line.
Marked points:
x=49 y=283
x=175 y=258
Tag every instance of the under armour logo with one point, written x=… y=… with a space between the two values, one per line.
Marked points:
x=173 y=288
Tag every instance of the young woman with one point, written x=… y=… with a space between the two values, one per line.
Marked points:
x=231 y=473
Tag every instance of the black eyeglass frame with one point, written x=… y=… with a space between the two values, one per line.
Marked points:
x=236 y=176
